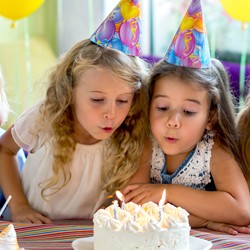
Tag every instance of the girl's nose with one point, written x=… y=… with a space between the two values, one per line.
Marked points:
x=173 y=120
x=110 y=112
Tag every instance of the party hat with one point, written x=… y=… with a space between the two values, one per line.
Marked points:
x=121 y=30
x=189 y=47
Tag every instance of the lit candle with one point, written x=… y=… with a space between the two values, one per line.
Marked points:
x=115 y=202
x=5 y=205
x=161 y=203
x=137 y=209
x=120 y=197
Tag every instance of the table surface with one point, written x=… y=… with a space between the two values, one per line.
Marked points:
x=61 y=234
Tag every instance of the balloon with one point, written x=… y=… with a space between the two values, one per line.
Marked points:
x=194 y=8
x=115 y=43
x=116 y=15
x=199 y=25
x=106 y=31
x=135 y=1
x=129 y=11
x=199 y=37
x=130 y=33
x=187 y=23
x=16 y=9
x=185 y=44
x=172 y=56
x=237 y=9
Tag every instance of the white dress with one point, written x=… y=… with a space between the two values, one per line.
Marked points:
x=82 y=196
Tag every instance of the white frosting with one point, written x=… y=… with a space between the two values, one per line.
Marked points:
x=8 y=239
x=141 y=227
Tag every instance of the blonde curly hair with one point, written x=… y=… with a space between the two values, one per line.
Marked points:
x=125 y=145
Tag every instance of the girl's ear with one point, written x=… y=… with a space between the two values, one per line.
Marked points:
x=212 y=119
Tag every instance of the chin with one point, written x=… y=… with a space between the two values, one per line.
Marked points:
x=103 y=136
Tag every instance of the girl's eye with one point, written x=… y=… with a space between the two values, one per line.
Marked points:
x=97 y=99
x=189 y=113
x=162 y=108
x=122 y=101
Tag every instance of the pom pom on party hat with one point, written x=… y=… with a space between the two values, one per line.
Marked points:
x=121 y=30
x=189 y=47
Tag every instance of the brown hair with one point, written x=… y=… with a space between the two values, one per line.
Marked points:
x=215 y=81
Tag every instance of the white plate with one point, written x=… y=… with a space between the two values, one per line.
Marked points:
x=88 y=244
x=199 y=244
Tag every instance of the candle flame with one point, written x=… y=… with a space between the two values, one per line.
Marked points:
x=119 y=195
x=163 y=198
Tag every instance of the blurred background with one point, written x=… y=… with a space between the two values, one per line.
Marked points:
x=31 y=45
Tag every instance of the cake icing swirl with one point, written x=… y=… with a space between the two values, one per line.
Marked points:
x=137 y=218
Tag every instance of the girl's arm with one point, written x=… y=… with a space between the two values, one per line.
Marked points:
x=196 y=222
x=229 y=204
x=10 y=182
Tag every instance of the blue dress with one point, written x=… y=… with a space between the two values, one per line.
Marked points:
x=193 y=172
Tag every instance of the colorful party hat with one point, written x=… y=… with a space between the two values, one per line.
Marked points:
x=121 y=30
x=189 y=47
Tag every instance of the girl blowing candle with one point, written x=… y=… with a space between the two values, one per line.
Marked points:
x=94 y=109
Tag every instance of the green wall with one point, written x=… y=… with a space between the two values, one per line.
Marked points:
x=26 y=52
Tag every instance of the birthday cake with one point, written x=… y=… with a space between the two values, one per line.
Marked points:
x=141 y=227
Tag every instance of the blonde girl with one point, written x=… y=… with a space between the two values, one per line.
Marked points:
x=85 y=140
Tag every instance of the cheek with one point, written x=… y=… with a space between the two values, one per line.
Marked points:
x=122 y=114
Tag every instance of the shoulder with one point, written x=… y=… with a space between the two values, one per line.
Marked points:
x=220 y=154
x=27 y=131
x=222 y=161
x=29 y=114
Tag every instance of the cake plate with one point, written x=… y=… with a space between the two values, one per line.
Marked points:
x=194 y=242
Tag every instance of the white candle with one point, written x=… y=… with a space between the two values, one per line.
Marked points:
x=161 y=203
x=137 y=209
x=120 y=197
x=5 y=205
x=115 y=206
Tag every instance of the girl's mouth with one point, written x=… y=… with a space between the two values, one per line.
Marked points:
x=171 y=140
x=108 y=129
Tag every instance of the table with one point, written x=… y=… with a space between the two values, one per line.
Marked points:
x=61 y=234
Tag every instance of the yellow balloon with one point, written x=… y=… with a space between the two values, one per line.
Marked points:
x=16 y=9
x=129 y=11
x=237 y=9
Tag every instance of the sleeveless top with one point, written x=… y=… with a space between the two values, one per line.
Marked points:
x=193 y=172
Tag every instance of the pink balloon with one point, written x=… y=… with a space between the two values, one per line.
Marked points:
x=184 y=44
x=129 y=33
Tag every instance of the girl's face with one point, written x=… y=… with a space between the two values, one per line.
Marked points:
x=102 y=102
x=179 y=114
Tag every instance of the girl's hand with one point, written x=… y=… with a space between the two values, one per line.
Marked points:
x=28 y=215
x=227 y=228
x=142 y=193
